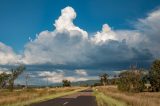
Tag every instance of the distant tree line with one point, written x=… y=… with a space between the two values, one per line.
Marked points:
x=7 y=79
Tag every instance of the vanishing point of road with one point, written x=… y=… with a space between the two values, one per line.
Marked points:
x=82 y=98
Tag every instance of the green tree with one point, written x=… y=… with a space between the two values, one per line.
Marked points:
x=104 y=79
x=14 y=75
x=154 y=75
x=66 y=83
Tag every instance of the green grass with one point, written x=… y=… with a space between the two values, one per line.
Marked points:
x=44 y=98
x=104 y=100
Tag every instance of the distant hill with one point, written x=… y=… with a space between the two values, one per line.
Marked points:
x=83 y=83
x=78 y=83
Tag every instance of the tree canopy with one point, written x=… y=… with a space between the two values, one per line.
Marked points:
x=154 y=75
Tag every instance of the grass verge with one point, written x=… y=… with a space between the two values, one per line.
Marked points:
x=104 y=100
x=131 y=99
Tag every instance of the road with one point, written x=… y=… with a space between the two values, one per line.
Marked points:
x=82 y=98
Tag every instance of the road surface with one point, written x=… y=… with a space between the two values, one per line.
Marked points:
x=82 y=98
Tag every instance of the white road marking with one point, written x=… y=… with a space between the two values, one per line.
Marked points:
x=65 y=103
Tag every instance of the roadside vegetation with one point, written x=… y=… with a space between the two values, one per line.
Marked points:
x=111 y=96
x=10 y=95
x=134 y=87
x=24 y=97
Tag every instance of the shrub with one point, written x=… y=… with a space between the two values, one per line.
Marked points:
x=154 y=75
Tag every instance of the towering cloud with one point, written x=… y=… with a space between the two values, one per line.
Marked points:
x=105 y=35
x=65 y=22
x=65 y=45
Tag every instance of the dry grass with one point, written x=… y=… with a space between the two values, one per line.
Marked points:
x=132 y=99
x=17 y=96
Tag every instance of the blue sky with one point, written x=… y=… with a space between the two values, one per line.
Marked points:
x=78 y=39
x=21 y=19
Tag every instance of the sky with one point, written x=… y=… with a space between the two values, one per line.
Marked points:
x=78 y=39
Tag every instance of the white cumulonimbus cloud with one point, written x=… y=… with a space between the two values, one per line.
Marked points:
x=69 y=45
x=65 y=22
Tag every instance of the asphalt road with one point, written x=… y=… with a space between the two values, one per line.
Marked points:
x=83 y=98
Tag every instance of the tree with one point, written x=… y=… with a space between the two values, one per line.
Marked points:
x=113 y=80
x=66 y=83
x=154 y=75
x=131 y=81
x=14 y=75
x=3 y=79
x=124 y=81
x=104 y=79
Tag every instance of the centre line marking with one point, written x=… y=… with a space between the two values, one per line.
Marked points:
x=65 y=103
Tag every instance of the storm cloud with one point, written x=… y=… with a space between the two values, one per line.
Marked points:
x=70 y=47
